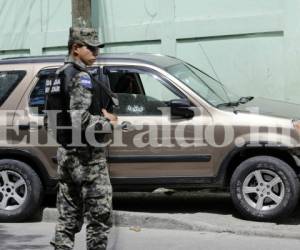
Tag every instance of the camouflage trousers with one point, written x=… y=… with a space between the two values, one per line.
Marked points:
x=84 y=190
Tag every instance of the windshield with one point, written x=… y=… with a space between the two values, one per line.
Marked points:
x=208 y=88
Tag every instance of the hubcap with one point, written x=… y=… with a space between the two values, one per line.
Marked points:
x=263 y=189
x=13 y=190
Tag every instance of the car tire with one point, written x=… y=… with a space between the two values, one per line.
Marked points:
x=21 y=191
x=264 y=188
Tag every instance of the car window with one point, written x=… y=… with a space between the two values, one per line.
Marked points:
x=141 y=92
x=8 y=81
x=37 y=96
x=154 y=88
x=205 y=86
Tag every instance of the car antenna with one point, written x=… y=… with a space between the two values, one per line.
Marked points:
x=209 y=61
x=213 y=68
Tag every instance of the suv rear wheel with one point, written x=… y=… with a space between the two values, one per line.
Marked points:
x=264 y=188
x=20 y=191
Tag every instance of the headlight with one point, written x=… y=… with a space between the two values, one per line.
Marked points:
x=296 y=124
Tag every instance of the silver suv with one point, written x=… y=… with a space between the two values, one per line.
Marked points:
x=183 y=130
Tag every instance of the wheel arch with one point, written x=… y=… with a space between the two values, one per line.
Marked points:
x=238 y=155
x=29 y=159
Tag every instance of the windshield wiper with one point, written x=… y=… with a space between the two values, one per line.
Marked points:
x=242 y=100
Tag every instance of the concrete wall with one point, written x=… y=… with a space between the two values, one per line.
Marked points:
x=34 y=27
x=252 y=46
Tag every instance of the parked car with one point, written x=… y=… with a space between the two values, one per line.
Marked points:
x=185 y=130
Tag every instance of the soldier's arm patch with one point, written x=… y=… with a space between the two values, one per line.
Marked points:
x=86 y=82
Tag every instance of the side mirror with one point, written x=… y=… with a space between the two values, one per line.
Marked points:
x=181 y=108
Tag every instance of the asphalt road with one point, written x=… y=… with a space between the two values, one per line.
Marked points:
x=30 y=236
x=205 y=207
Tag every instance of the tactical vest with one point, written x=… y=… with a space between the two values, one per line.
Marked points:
x=58 y=99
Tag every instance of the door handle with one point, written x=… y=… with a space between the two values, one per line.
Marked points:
x=127 y=126
x=24 y=126
x=29 y=125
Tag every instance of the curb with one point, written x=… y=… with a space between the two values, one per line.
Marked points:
x=128 y=219
x=179 y=222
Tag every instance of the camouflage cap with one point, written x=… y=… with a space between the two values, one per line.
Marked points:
x=87 y=36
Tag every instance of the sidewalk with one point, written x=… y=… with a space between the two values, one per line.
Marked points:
x=200 y=221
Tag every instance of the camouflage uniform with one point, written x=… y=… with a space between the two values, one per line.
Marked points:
x=84 y=184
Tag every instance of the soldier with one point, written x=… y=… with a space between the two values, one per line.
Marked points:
x=84 y=184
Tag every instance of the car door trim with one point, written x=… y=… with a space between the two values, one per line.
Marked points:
x=158 y=158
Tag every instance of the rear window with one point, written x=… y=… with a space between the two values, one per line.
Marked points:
x=8 y=81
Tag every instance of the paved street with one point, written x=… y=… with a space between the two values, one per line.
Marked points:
x=196 y=211
x=29 y=236
x=206 y=211
x=144 y=221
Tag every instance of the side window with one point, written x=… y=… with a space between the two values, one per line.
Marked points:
x=141 y=92
x=37 y=96
x=8 y=81
x=154 y=88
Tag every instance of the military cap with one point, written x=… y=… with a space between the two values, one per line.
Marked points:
x=87 y=36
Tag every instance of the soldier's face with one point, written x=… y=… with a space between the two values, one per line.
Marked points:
x=87 y=54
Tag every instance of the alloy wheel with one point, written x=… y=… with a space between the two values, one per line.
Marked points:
x=13 y=190
x=263 y=189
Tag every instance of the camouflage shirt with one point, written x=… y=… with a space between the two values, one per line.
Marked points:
x=80 y=100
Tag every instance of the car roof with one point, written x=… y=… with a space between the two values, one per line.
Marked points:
x=159 y=60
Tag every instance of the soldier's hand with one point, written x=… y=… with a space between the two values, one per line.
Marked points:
x=112 y=117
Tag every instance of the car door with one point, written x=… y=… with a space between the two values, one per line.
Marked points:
x=30 y=119
x=157 y=144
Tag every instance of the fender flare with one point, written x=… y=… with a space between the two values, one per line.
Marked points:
x=223 y=170
x=23 y=155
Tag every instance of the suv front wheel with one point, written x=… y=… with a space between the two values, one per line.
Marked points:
x=264 y=188
x=20 y=191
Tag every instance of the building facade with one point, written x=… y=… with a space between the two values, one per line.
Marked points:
x=252 y=46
